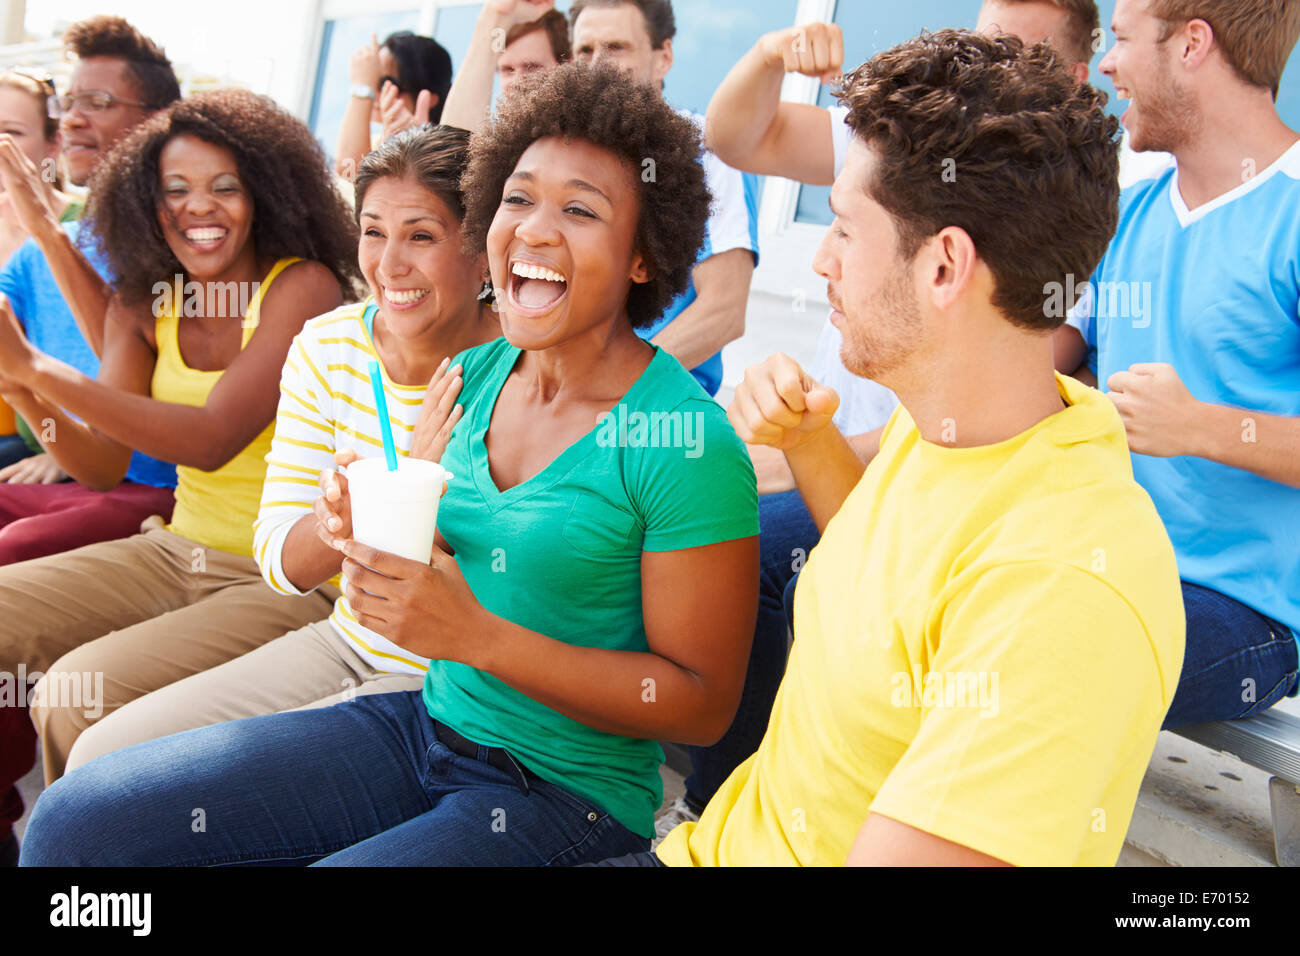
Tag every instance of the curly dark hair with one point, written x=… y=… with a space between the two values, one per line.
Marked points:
x=298 y=211
x=998 y=139
x=601 y=106
x=155 y=80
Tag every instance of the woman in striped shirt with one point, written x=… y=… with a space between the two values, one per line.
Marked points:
x=426 y=304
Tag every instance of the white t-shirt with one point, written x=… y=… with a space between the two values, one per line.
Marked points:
x=864 y=405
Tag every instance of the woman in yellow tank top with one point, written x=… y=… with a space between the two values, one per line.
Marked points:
x=225 y=234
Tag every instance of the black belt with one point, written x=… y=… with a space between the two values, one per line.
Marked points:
x=496 y=756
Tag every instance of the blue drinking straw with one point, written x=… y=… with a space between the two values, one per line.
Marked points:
x=381 y=406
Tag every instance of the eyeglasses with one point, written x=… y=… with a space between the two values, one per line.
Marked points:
x=93 y=101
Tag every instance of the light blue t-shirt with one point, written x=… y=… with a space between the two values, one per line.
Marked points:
x=28 y=283
x=733 y=224
x=1214 y=292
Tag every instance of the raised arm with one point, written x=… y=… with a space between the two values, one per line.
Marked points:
x=749 y=127
x=85 y=292
x=469 y=103
x=779 y=405
x=240 y=405
x=354 y=131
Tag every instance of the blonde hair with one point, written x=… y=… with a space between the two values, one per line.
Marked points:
x=43 y=92
x=1255 y=36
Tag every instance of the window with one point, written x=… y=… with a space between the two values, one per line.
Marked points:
x=712 y=36
x=870 y=28
x=340 y=38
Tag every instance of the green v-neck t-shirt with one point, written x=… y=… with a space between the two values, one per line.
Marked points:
x=560 y=554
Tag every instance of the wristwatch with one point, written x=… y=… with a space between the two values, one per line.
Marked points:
x=361 y=91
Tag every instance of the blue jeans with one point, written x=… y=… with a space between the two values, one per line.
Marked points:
x=787 y=534
x=1238 y=662
x=361 y=783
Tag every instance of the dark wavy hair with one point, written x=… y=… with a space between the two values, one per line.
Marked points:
x=434 y=156
x=298 y=211
x=601 y=106
x=998 y=139
x=422 y=64
x=659 y=20
x=155 y=80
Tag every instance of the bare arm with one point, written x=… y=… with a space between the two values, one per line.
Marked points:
x=354 y=132
x=682 y=689
x=779 y=405
x=749 y=127
x=717 y=316
x=92 y=458
x=81 y=286
x=469 y=102
x=118 y=407
x=773 y=471
x=1163 y=419
x=883 y=841
x=1264 y=445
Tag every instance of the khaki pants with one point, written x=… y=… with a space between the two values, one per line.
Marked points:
x=124 y=618
x=310 y=667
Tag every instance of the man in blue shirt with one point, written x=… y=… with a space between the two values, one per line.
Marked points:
x=1193 y=319
x=636 y=35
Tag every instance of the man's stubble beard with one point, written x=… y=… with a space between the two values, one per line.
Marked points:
x=1169 y=117
x=883 y=341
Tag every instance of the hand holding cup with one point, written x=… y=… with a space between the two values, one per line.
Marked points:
x=333 y=509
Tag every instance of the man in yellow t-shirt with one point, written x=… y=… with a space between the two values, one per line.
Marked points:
x=991 y=629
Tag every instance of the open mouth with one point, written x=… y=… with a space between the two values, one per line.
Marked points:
x=206 y=238
x=536 y=288
x=404 y=298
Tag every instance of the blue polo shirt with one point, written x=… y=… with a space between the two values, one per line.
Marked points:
x=1214 y=292
x=28 y=283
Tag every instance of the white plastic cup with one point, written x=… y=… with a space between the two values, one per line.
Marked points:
x=396 y=511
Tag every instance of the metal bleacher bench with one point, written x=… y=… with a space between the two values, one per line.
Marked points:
x=1270 y=742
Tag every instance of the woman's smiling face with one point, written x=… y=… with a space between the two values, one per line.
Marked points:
x=562 y=245
x=206 y=212
x=410 y=253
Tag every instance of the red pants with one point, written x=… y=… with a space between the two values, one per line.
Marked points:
x=36 y=520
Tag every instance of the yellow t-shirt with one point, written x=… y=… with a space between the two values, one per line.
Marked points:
x=214 y=508
x=986 y=642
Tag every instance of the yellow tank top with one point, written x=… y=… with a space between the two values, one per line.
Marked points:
x=214 y=508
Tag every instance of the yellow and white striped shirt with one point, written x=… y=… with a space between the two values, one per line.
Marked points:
x=327 y=405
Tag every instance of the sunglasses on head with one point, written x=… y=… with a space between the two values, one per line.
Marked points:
x=46 y=82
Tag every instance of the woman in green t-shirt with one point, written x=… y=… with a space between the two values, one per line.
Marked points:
x=593 y=585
